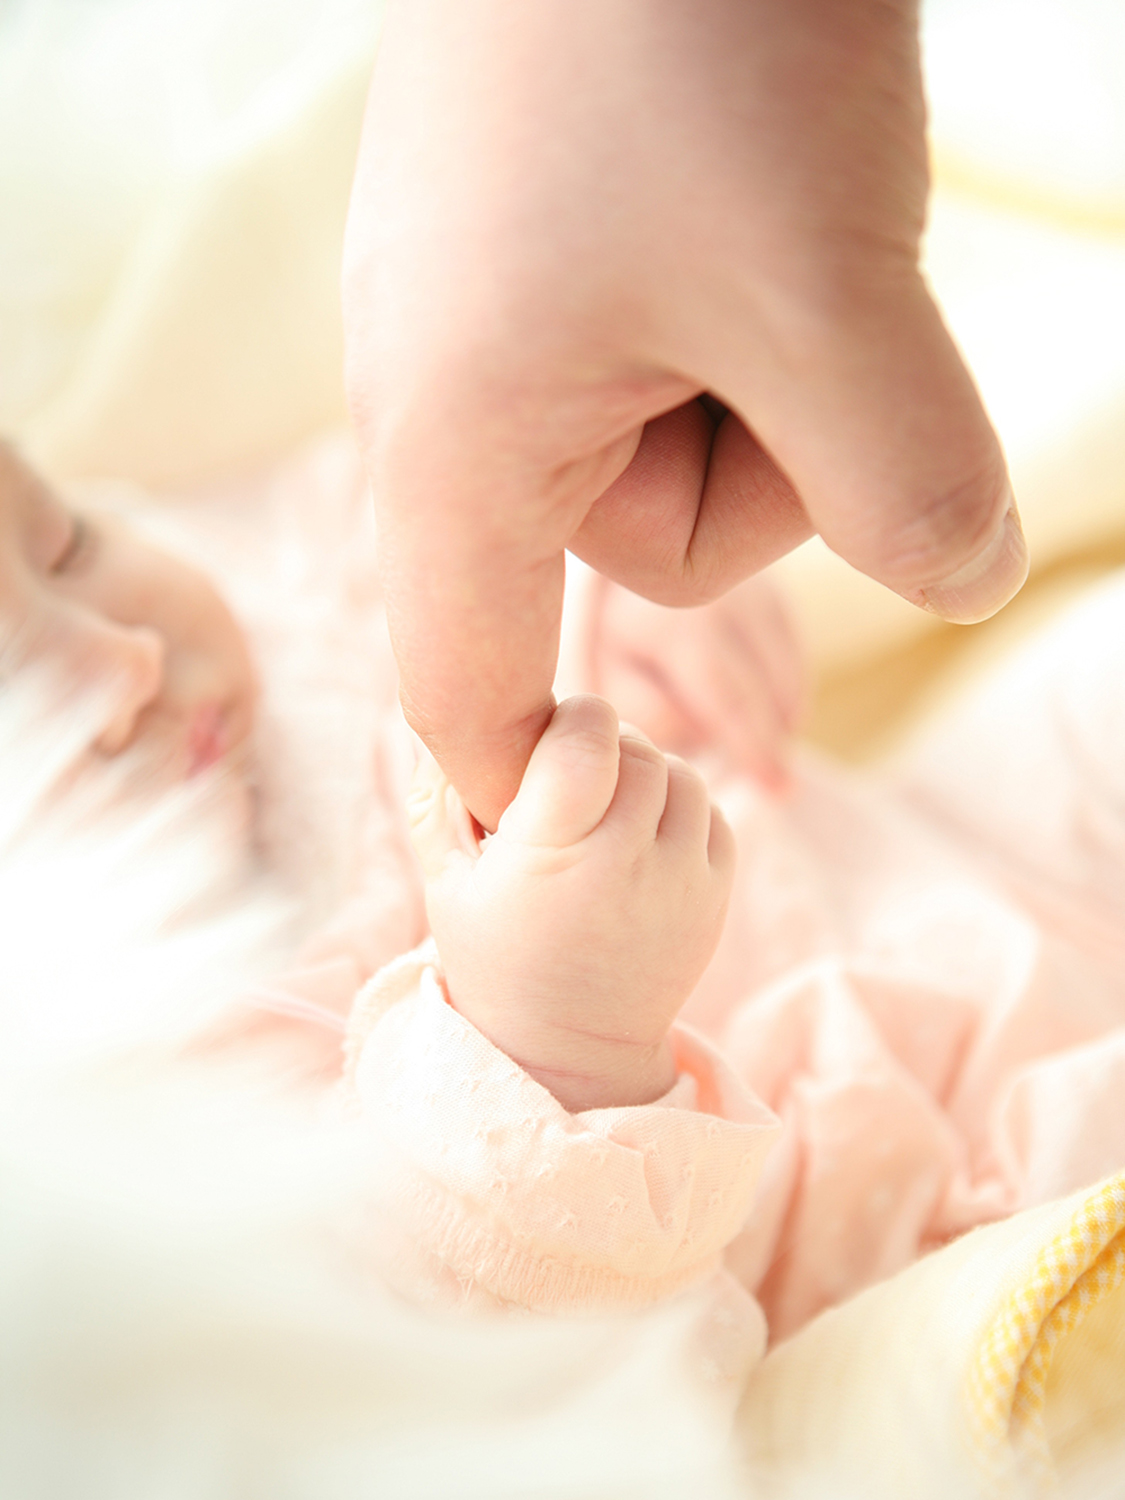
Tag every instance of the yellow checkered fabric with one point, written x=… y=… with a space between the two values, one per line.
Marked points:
x=1007 y=1380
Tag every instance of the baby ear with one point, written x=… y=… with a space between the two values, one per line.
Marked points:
x=441 y=827
x=570 y=779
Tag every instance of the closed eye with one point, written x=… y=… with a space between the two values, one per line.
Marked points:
x=78 y=550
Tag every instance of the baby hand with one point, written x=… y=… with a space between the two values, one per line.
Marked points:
x=726 y=676
x=572 y=936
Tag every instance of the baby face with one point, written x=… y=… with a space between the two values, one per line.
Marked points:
x=94 y=604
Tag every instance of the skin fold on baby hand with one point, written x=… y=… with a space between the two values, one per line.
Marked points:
x=573 y=935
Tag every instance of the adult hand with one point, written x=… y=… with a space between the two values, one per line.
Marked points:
x=571 y=220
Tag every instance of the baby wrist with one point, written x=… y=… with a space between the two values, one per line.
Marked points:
x=612 y=1078
x=581 y=1070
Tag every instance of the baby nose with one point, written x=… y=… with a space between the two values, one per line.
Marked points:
x=133 y=663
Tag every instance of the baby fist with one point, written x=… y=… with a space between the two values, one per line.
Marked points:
x=572 y=936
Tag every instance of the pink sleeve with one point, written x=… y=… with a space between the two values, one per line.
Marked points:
x=485 y=1187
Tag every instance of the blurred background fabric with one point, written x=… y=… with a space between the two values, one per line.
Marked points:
x=174 y=184
x=174 y=181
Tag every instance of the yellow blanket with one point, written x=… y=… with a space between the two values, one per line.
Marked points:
x=993 y=1367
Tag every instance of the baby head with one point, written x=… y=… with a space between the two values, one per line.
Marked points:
x=92 y=603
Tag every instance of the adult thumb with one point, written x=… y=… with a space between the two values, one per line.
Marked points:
x=873 y=414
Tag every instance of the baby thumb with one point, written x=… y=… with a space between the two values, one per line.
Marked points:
x=441 y=828
x=570 y=779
